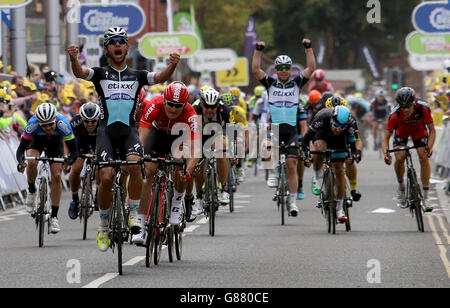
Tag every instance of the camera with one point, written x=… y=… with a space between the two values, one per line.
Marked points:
x=50 y=76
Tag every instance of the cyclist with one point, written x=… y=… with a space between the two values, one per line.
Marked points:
x=84 y=126
x=202 y=89
x=212 y=111
x=284 y=93
x=380 y=109
x=158 y=132
x=118 y=87
x=331 y=129
x=237 y=99
x=256 y=104
x=350 y=166
x=237 y=116
x=47 y=131
x=319 y=83
x=411 y=117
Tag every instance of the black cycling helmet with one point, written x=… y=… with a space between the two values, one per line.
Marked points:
x=405 y=96
x=325 y=97
x=90 y=112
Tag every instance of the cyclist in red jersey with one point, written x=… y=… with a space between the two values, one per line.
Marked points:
x=319 y=83
x=163 y=118
x=411 y=117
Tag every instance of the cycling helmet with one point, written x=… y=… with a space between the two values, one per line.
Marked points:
x=45 y=112
x=227 y=98
x=318 y=74
x=335 y=101
x=235 y=92
x=326 y=96
x=204 y=88
x=259 y=90
x=90 y=112
x=380 y=93
x=114 y=32
x=210 y=97
x=177 y=92
x=314 y=96
x=405 y=96
x=283 y=59
x=341 y=115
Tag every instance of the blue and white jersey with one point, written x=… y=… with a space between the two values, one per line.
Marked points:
x=284 y=98
x=119 y=92
x=63 y=128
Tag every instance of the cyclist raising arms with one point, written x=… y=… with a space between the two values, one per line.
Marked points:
x=47 y=132
x=118 y=87
x=411 y=117
x=284 y=93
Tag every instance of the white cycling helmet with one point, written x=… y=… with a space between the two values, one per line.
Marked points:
x=90 y=112
x=380 y=93
x=45 y=112
x=283 y=59
x=114 y=32
x=210 y=97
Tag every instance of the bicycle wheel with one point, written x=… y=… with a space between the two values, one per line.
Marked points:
x=178 y=242
x=415 y=200
x=231 y=188
x=328 y=198
x=348 y=226
x=151 y=226
x=85 y=204
x=282 y=194
x=170 y=243
x=212 y=206
x=118 y=228
x=162 y=218
x=41 y=210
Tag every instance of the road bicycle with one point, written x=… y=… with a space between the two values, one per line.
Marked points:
x=211 y=200
x=327 y=198
x=157 y=226
x=43 y=212
x=87 y=202
x=119 y=232
x=414 y=198
x=281 y=194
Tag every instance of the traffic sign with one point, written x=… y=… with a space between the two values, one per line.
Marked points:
x=213 y=60
x=432 y=17
x=12 y=4
x=237 y=76
x=95 y=19
x=162 y=44
x=428 y=44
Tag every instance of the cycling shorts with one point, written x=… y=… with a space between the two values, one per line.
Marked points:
x=53 y=146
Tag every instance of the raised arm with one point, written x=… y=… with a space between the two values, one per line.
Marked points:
x=310 y=59
x=256 y=61
x=77 y=70
x=169 y=70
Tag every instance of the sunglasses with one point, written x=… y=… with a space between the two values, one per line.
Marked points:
x=210 y=106
x=116 y=40
x=174 y=105
x=337 y=125
x=90 y=121
x=48 y=124
x=406 y=106
x=283 y=67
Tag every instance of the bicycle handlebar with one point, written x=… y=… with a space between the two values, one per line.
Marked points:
x=47 y=159
x=407 y=148
x=160 y=160
x=87 y=156
x=329 y=151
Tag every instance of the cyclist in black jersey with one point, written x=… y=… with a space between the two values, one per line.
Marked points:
x=84 y=126
x=118 y=87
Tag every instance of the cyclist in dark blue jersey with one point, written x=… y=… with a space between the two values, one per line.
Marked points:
x=118 y=87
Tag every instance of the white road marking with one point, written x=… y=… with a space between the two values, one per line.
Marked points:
x=98 y=282
x=382 y=211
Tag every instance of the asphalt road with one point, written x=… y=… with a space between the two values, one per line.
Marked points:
x=251 y=249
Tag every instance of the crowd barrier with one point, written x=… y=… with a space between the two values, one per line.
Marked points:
x=11 y=181
x=441 y=156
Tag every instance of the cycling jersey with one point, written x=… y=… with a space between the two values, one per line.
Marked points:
x=326 y=87
x=414 y=125
x=380 y=110
x=222 y=115
x=238 y=116
x=119 y=92
x=85 y=141
x=284 y=98
x=155 y=116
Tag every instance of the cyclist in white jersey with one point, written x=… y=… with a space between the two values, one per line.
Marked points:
x=284 y=106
